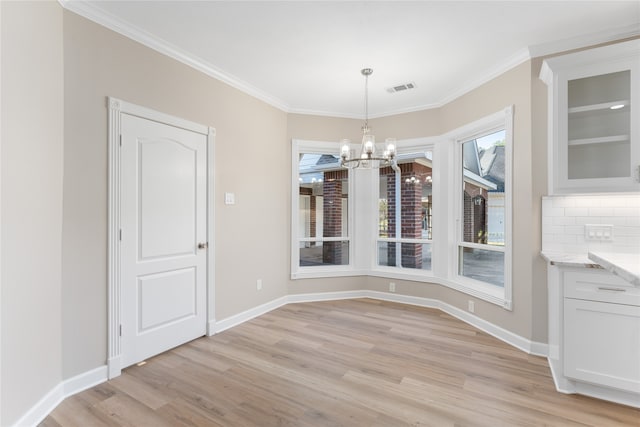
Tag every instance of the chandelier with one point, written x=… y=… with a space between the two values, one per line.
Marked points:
x=369 y=156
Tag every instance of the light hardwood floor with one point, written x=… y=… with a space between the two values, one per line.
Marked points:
x=340 y=363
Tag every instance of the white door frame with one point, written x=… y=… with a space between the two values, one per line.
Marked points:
x=116 y=108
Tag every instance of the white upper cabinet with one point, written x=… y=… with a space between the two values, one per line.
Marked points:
x=594 y=119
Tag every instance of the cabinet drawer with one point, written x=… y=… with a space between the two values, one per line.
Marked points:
x=600 y=286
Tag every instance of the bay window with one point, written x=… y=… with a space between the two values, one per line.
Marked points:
x=461 y=238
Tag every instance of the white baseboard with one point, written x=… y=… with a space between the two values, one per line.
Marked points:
x=239 y=318
x=60 y=392
x=524 y=344
x=96 y=376
x=539 y=349
x=325 y=296
x=569 y=386
x=605 y=393
x=40 y=410
x=85 y=380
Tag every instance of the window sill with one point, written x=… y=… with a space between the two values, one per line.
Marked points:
x=320 y=272
x=404 y=274
x=485 y=292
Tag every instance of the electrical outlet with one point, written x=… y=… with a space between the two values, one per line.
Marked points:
x=472 y=306
x=259 y=284
x=392 y=287
x=598 y=232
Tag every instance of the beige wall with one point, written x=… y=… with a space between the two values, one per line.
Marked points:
x=539 y=174
x=252 y=160
x=31 y=177
x=512 y=87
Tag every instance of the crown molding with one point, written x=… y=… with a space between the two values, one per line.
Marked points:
x=490 y=74
x=99 y=16
x=580 y=42
x=89 y=11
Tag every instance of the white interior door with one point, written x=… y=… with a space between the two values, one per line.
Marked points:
x=163 y=222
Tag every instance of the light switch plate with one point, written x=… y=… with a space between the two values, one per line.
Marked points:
x=229 y=199
x=598 y=232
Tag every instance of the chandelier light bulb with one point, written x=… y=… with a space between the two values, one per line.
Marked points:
x=344 y=151
x=368 y=147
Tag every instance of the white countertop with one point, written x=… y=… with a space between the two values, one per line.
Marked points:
x=569 y=260
x=625 y=265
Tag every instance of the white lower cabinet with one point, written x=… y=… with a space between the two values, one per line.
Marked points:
x=594 y=334
x=602 y=343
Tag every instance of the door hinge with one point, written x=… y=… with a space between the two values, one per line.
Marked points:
x=120 y=140
x=120 y=234
x=120 y=330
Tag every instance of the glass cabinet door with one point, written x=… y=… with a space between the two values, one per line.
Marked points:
x=594 y=120
x=598 y=126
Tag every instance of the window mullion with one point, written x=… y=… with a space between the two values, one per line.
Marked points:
x=398 y=213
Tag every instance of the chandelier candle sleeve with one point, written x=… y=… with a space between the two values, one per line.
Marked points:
x=370 y=145
x=344 y=153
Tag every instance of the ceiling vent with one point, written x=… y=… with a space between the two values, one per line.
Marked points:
x=401 y=88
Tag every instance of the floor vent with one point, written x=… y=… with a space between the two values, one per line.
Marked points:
x=401 y=88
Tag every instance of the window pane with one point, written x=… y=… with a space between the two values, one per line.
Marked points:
x=416 y=255
x=387 y=192
x=387 y=254
x=481 y=264
x=483 y=161
x=323 y=192
x=412 y=255
x=416 y=198
x=324 y=253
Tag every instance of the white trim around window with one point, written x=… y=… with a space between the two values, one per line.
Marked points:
x=407 y=147
x=298 y=147
x=502 y=120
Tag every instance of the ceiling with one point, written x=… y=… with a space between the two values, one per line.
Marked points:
x=306 y=57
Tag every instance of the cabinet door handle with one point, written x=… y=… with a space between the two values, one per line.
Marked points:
x=604 y=288
x=638 y=174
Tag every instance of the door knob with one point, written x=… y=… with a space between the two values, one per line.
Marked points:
x=204 y=245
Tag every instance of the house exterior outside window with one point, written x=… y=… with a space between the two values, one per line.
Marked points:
x=482 y=252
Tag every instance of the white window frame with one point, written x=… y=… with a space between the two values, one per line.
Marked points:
x=407 y=146
x=299 y=146
x=502 y=120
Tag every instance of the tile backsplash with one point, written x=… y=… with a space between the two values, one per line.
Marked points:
x=564 y=219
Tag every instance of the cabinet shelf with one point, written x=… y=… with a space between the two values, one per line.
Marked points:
x=602 y=107
x=599 y=140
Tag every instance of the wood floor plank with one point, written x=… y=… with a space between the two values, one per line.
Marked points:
x=359 y=362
